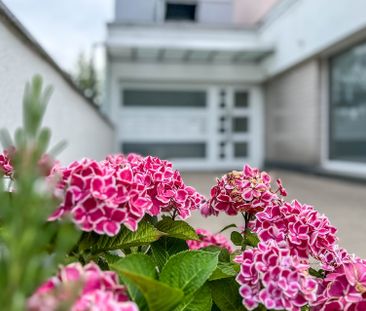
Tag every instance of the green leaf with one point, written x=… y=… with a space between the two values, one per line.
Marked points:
x=317 y=273
x=189 y=270
x=225 y=294
x=228 y=227
x=225 y=270
x=139 y=264
x=224 y=254
x=44 y=137
x=177 y=229
x=201 y=300
x=236 y=238
x=159 y=296
x=165 y=247
x=250 y=238
x=144 y=235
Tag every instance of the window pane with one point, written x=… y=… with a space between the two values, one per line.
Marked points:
x=241 y=99
x=348 y=105
x=240 y=150
x=180 y=12
x=167 y=150
x=161 y=98
x=240 y=125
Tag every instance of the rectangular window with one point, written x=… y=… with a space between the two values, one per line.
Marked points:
x=163 y=98
x=167 y=150
x=180 y=12
x=240 y=125
x=347 y=127
x=241 y=99
x=240 y=150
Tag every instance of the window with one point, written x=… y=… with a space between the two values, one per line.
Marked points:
x=240 y=150
x=180 y=12
x=167 y=150
x=163 y=98
x=241 y=99
x=240 y=125
x=347 y=127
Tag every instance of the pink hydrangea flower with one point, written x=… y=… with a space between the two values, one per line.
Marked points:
x=167 y=189
x=5 y=163
x=209 y=239
x=102 y=196
x=246 y=191
x=344 y=289
x=271 y=276
x=86 y=288
x=307 y=232
x=332 y=259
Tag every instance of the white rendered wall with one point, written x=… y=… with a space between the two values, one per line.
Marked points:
x=69 y=115
x=300 y=29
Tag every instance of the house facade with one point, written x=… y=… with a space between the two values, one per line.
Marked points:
x=215 y=83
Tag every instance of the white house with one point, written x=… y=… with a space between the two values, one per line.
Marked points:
x=214 y=83
x=69 y=115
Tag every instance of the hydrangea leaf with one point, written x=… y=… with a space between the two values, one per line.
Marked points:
x=224 y=254
x=225 y=270
x=189 y=270
x=144 y=235
x=251 y=238
x=136 y=263
x=165 y=247
x=177 y=229
x=201 y=300
x=225 y=294
x=159 y=296
x=236 y=238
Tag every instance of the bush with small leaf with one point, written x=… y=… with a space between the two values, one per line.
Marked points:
x=112 y=235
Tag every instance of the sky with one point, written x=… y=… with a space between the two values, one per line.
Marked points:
x=65 y=28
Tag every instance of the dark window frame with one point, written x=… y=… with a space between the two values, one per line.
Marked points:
x=201 y=97
x=172 y=14
x=331 y=145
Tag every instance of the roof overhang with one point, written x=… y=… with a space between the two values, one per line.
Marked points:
x=154 y=43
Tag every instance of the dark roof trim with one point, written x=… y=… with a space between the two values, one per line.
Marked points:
x=7 y=16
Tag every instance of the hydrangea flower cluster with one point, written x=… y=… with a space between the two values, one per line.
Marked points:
x=246 y=191
x=306 y=231
x=344 y=289
x=5 y=164
x=271 y=276
x=86 y=288
x=166 y=188
x=102 y=196
x=209 y=239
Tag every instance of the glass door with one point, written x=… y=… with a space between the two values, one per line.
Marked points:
x=234 y=126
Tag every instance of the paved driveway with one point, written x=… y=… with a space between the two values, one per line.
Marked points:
x=342 y=201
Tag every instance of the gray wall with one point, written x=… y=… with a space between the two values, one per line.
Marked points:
x=292 y=115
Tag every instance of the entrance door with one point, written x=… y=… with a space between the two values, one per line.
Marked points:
x=197 y=127
x=239 y=127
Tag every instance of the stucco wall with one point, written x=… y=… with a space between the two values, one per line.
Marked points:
x=300 y=29
x=69 y=115
x=250 y=12
x=292 y=114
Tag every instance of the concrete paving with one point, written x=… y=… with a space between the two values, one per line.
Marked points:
x=342 y=201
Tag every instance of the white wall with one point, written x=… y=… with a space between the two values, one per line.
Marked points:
x=69 y=115
x=300 y=29
x=250 y=12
